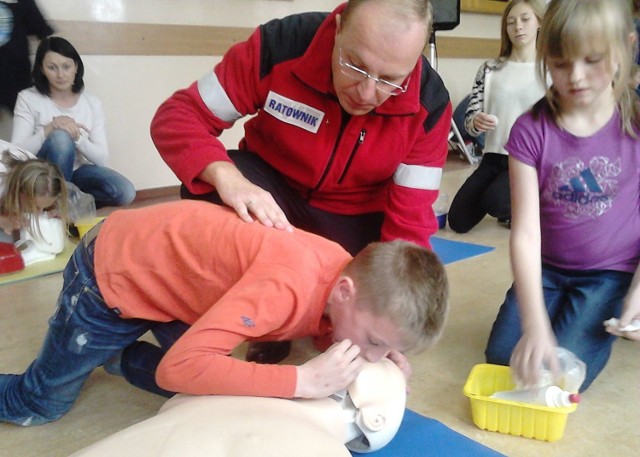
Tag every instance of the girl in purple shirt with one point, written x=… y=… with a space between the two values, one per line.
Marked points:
x=575 y=186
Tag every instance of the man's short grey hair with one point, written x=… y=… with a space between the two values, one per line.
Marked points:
x=411 y=9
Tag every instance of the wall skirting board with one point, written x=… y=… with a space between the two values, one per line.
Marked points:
x=113 y=38
x=158 y=193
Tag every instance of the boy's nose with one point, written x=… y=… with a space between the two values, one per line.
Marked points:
x=375 y=355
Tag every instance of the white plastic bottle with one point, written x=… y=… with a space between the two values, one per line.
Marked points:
x=546 y=396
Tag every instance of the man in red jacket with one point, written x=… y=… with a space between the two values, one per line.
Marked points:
x=349 y=130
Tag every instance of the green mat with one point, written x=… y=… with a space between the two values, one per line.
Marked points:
x=43 y=268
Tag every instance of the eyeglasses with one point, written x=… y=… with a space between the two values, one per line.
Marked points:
x=358 y=74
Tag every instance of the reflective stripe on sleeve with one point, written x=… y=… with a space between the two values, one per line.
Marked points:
x=418 y=177
x=216 y=99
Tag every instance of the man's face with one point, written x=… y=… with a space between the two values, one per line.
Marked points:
x=383 y=47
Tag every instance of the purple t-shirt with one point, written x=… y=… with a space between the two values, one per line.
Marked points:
x=589 y=192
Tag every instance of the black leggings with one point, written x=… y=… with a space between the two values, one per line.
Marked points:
x=486 y=191
x=353 y=233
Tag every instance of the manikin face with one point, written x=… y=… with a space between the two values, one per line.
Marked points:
x=45 y=242
x=522 y=25
x=384 y=47
x=60 y=71
x=374 y=406
x=583 y=80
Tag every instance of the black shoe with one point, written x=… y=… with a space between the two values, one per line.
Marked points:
x=505 y=222
x=73 y=231
x=270 y=352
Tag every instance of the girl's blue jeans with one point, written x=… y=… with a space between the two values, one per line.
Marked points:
x=83 y=334
x=108 y=187
x=578 y=302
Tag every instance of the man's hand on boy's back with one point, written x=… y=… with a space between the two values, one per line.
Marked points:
x=329 y=372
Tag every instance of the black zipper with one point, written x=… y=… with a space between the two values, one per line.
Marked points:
x=363 y=133
x=345 y=120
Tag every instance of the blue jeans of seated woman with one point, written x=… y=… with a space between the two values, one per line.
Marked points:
x=578 y=302
x=108 y=187
x=83 y=334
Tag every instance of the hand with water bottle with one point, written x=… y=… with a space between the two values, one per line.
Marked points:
x=535 y=349
x=557 y=387
x=538 y=362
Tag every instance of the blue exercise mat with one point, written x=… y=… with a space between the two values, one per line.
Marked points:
x=421 y=436
x=451 y=251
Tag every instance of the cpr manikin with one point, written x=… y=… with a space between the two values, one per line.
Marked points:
x=44 y=243
x=364 y=419
x=373 y=406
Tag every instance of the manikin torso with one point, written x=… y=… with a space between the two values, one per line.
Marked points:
x=364 y=419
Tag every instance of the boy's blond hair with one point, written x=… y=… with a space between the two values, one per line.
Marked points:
x=406 y=283
x=607 y=26
x=26 y=179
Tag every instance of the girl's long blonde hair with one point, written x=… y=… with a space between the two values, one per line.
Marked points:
x=570 y=24
x=26 y=179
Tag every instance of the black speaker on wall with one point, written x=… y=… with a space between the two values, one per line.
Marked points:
x=446 y=14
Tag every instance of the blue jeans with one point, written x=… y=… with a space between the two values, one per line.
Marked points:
x=577 y=302
x=83 y=334
x=108 y=187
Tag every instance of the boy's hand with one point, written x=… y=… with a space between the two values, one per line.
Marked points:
x=402 y=362
x=329 y=372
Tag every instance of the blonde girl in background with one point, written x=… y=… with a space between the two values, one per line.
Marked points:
x=575 y=186
x=504 y=88
x=28 y=187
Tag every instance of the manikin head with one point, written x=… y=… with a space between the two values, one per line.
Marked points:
x=46 y=243
x=374 y=406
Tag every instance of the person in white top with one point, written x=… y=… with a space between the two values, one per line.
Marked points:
x=504 y=88
x=59 y=121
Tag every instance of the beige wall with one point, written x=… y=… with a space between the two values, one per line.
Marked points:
x=132 y=87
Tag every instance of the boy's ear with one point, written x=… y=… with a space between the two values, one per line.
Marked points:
x=344 y=290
